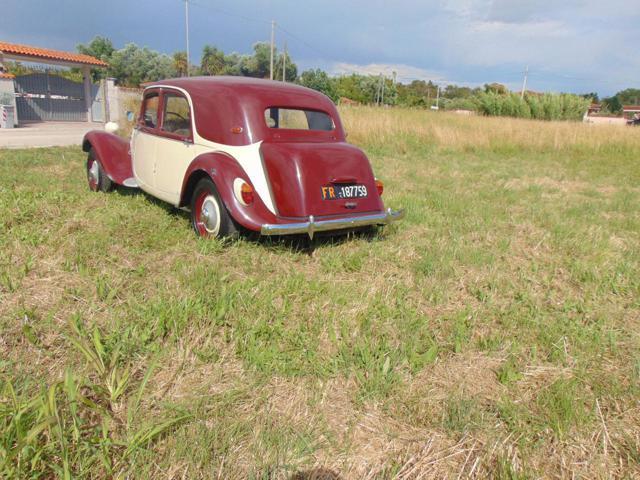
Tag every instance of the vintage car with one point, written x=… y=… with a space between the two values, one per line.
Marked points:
x=266 y=156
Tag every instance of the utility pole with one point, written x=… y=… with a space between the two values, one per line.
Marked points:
x=273 y=39
x=438 y=99
x=524 y=83
x=186 y=21
x=284 y=63
x=395 y=78
x=383 y=85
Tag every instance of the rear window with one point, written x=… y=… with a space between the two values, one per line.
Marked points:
x=298 y=119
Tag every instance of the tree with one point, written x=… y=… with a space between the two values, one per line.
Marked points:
x=100 y=48
x=258 y=64
x=630 y=96
x=213 y=61
x=133 y=65
x=180 y=64
x=291 y=68
x=453 y=91
x=496 y=88
x=319 y=80
x=593 y=96
x=354 y=87
x=613 y=104
x=417 y=94
x=233 y=64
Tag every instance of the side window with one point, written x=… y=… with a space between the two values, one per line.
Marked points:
x=150 y=110
x=177 y=117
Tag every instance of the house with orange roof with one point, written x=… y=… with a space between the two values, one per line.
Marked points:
x=47 y=96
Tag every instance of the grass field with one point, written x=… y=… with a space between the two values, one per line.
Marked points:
x=493 y=333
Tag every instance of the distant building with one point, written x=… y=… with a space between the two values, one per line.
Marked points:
x=594 y=108
x=628 y=111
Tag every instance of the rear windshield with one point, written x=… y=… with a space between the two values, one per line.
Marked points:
x=297 y=119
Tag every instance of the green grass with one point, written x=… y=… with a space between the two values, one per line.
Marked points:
x=499 y=321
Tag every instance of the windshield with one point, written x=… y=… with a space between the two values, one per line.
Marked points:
x=298 y=119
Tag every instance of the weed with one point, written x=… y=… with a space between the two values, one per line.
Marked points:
x=74 y=426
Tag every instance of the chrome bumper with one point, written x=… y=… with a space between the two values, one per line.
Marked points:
x=313 y=226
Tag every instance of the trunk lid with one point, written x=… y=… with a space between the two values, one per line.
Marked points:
x=298 y=171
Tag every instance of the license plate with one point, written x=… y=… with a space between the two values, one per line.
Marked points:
x=337 y=192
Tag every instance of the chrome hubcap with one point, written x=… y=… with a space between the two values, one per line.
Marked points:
x=210 y=215
x=94 y=172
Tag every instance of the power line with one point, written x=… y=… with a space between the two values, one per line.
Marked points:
x=350 y=70
x=295 y=37
x=231 y=14
x=263 y=21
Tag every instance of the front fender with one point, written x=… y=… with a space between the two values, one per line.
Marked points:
x=113 y=153
x=223 y=169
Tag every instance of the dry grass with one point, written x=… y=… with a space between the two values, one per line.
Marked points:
x=403 y=128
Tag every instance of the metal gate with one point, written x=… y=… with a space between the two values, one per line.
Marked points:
x=97 y=102
x=46 y=97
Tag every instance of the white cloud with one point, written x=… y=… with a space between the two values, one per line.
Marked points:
x=405 y=73
x=573 y=42
x=526 y=11
x=546 y=29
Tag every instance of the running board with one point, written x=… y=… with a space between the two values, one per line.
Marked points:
x=130 y=182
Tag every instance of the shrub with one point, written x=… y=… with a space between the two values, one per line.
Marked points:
x=540 y=107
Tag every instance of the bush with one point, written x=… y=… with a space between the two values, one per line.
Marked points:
x=540 y=107
x=469 y=103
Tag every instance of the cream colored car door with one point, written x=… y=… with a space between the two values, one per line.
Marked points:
x=174 y=146
x=143 y=142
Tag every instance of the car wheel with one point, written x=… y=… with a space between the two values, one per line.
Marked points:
x=209 y=216
x=97 y=178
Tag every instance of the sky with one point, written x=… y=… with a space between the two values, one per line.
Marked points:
x=574 y=46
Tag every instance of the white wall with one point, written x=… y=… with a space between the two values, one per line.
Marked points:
x=118 y=99
x=605 y=120
x=7 y=86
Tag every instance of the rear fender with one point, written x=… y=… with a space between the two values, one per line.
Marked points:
x=113 y=153
x=223 y=169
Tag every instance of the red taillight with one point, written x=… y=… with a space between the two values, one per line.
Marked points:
x=379 y=186
x=247 y=194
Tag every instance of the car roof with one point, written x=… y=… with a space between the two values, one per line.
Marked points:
x=240 y=85
x=221 y=103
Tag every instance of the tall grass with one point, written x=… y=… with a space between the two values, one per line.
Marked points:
x=401 y=130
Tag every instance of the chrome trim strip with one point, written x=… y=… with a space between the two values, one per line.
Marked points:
x=313 y=226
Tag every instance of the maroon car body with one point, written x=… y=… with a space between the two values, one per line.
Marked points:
x=271 y=157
